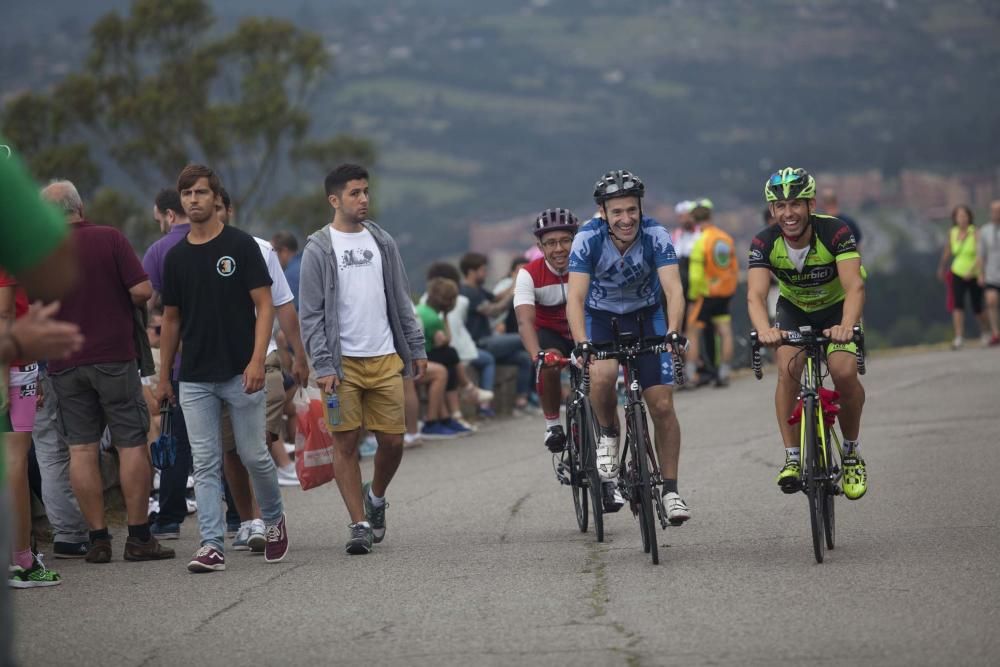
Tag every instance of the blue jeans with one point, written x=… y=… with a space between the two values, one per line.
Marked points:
x=487 y=367
x=202 y=405
x=508 y=349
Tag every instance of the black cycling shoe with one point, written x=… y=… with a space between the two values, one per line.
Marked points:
x=612 y=497
x=555 y=439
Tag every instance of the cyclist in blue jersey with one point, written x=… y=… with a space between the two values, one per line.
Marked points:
x=619 y=263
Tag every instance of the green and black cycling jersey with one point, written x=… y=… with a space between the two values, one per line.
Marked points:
x=817 y=285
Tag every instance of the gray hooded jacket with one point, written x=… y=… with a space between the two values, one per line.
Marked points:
x=318 y=303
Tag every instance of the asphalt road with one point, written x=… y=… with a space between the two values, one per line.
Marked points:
x=483 y=563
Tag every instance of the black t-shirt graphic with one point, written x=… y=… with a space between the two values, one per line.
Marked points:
x=210 y=284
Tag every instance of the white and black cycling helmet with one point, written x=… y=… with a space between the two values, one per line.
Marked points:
x=618 y=183
x=555 y=220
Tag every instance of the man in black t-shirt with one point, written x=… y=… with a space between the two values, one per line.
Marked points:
x=217 y=301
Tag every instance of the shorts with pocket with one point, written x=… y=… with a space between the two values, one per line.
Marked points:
x=98 y=395
x=274 y=386
x=371 y=394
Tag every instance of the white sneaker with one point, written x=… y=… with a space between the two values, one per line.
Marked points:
x=412 y=440
x=190 y=482
x=192 y=505
x=607 y=457
x=258 y=536
x=984 y=340
x=957 y=343
x=156 y=480
x=290 y=448
x=242 y=540
x=677 y=510
x=287 y=476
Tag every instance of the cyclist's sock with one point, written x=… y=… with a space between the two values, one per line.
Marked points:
x=609 y=431
x=375 y=500
x=552 y=421
x=851 y=446
x=791 y=453
x=724 y=371
x=670 y=486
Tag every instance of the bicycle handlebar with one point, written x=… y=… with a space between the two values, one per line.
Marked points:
x=632 y=351
x=804 y=339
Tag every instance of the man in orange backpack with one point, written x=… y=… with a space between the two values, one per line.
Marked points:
x=713 y=275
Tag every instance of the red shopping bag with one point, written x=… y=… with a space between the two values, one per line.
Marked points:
x=314 y=452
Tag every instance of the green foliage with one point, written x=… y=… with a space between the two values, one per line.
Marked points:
x=38 y=129
x=162 y=88
x=111 y=207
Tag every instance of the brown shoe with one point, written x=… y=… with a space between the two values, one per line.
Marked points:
x=136 y=549
x=100 y=552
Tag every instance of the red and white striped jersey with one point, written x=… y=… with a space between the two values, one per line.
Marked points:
x=540 y=286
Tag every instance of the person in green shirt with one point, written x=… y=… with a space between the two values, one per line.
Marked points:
x=442 y=295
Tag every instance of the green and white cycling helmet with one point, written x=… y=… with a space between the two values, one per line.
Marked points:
x=790 y=183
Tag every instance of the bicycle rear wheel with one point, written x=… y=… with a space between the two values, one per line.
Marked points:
x=815 y=485
x=577 y=479
x=588 y=456
x=639 y=451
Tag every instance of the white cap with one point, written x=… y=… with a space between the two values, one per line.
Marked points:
x=684 y=207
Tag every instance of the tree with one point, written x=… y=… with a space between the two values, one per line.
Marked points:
x=161 y=89
x=40 y=132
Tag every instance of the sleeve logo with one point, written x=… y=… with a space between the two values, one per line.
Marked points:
x=226 y=266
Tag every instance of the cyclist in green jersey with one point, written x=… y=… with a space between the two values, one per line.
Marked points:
x=818 y=267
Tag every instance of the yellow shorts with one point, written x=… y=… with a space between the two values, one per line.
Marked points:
x=371 y=393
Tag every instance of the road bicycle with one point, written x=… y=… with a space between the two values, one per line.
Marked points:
x=821 y=468
x=576 y=466
x=640 y=480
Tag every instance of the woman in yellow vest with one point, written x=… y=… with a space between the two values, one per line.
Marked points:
x=960 y=249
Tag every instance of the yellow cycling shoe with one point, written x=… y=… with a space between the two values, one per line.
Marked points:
x=855 y=476
x=790 y=477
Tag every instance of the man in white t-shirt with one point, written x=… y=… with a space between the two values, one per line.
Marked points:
x=362 y=337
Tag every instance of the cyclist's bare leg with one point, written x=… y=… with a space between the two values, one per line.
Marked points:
x=551 y=390
x=844 y=371
x=787 y=390
x=603 y=378
x=666 y=429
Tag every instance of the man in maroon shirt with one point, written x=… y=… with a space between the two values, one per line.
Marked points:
x=99 y=385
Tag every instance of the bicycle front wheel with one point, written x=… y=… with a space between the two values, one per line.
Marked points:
x=814 y=477
x=588 y=457
x=578 y=484
x=640 y=450
x=829 y=525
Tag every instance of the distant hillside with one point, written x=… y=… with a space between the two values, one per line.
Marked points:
x=485 y=110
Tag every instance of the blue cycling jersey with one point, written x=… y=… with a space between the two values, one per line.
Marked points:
x=621 y=283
